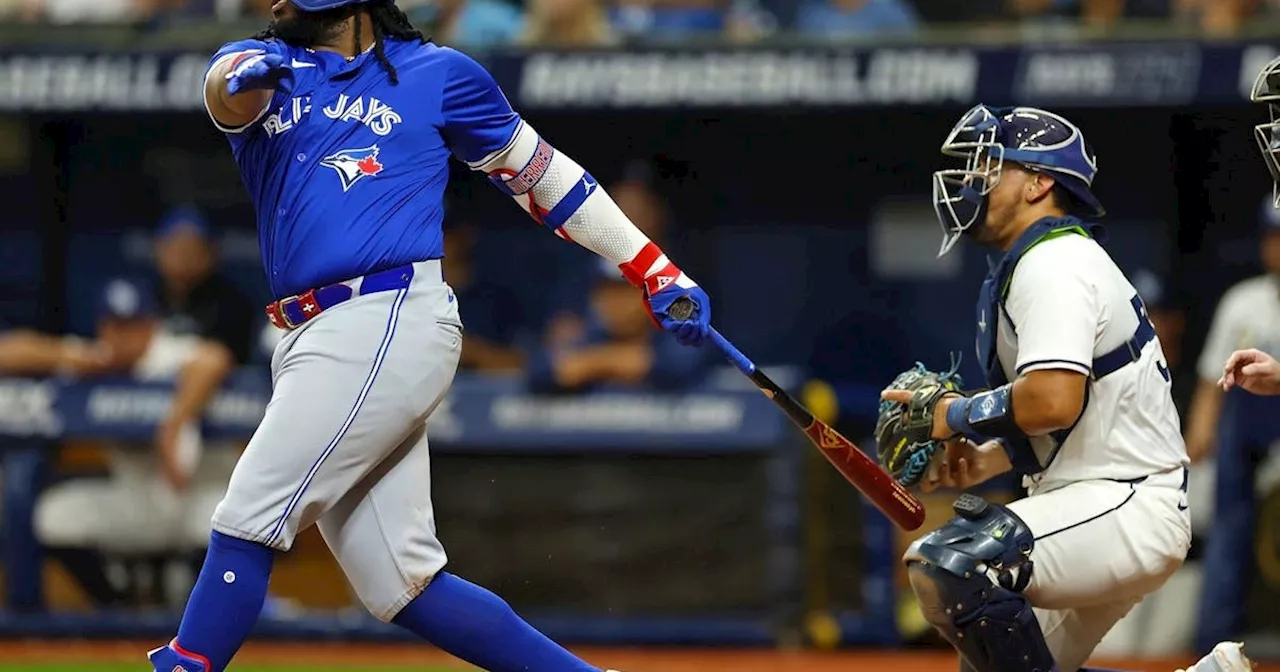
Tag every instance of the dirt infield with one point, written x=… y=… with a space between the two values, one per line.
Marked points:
x=365 y=656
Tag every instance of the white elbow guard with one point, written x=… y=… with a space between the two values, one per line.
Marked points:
x=561 y=195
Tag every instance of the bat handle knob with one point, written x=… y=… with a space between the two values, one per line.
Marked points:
x=682 y=308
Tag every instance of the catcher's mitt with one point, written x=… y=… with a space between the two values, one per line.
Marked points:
x=903 y=442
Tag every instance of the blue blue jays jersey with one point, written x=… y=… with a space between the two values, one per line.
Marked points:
x=347 y=171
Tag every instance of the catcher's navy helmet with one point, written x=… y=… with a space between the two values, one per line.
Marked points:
x=985 y=138
x=1266 y=89
x=318 y=5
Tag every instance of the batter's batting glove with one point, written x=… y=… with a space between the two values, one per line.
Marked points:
x=663 y=285
x=255 y=70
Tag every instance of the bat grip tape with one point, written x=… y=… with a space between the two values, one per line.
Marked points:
x=735 y=355
x=683 y=308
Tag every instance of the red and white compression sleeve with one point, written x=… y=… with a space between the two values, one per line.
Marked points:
x=561 y=195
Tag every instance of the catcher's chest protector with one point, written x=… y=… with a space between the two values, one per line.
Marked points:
x=996 y=287
x=991 y=306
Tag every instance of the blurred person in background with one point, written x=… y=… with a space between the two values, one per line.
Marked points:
x=1217 y=17
x=673 y=19
x=1095 y=13
x=24 y=352
x=19 y=10
x=617 y=346
x=1223 y=466
x=491 y=314
x=567 y=23
x=468 y=24
x=1247 y=316
x=193 y=297
x=157 y=499
x=856 y=17
x=97 y=11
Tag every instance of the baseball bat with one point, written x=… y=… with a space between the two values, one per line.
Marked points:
x=893 y=500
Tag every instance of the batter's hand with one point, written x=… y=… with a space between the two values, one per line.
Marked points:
x=663 y=285
x=691 y=331
x=1253 y=370
x=258 y=71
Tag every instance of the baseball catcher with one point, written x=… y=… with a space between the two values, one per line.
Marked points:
x=1077 y=403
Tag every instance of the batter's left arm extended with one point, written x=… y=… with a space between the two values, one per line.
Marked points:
x=557 y=192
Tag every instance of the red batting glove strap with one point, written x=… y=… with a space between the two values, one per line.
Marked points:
x=637 y=271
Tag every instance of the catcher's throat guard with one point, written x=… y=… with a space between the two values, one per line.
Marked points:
x=984 y=139
x=1266 y=90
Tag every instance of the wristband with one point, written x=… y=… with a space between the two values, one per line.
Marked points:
x=988 y=414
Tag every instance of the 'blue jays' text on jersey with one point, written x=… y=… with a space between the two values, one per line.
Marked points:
x=346 y=171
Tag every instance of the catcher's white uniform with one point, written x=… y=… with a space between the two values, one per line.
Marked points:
x=1109 y=512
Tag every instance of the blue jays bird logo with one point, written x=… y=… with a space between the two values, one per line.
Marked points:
x=353 y=165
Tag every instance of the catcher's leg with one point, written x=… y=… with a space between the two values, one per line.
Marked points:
x=968 y=576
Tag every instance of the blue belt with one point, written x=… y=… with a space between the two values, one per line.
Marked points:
x=292 y=312
x=1129 y=351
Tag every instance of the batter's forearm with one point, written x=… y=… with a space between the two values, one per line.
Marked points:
x=563 y=196
x=199 y=382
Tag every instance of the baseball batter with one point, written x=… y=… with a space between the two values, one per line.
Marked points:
x=1078 y=404
x=342 y=119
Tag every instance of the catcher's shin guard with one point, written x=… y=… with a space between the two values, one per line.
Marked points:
x=968 y=576
x=171 y=658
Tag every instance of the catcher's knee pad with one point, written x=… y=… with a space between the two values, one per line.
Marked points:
x=968 y=576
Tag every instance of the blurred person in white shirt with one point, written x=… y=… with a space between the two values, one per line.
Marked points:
x=160 y=498
x=96 y=11
x=1247 y=317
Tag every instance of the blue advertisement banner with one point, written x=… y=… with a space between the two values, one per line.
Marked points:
x=1084 y=75
x=478 y=414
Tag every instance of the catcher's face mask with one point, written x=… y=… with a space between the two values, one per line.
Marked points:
x=1266 y=89
x=960 y=194
x=986 y=138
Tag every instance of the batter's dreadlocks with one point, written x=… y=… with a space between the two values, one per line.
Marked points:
x=388 y=22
